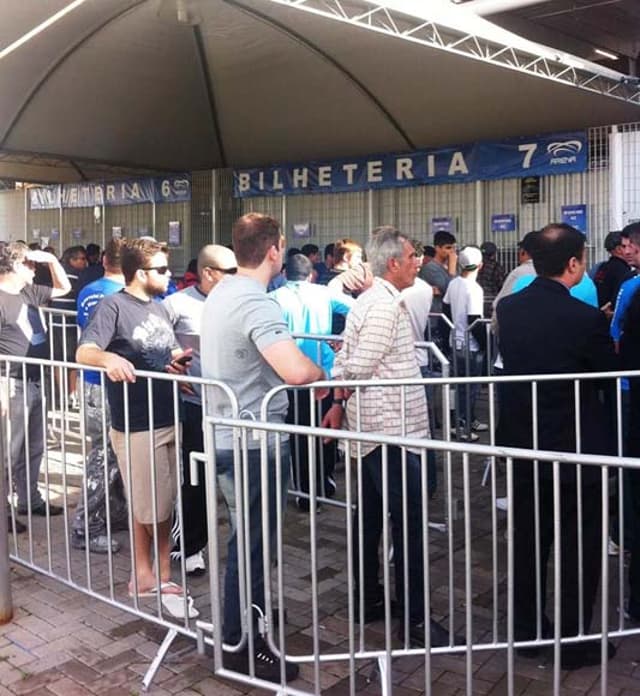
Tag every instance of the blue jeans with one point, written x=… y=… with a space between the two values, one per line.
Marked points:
x=21 y=432
x=372 y=518
x=232 y=625
x=432 y=472
x=475 y=370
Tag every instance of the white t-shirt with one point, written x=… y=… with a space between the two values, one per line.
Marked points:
x=466 y=298
x=186 y=309
x=417 y=299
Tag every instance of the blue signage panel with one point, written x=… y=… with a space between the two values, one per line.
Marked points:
x=169 y=189
x=576 y=216
x=442 y=224
x=503 y=223
x=560 y=153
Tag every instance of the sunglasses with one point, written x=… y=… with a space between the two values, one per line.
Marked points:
x=228 y=271
x=160 y=269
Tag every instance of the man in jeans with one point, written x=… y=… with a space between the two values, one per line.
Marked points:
x=101 y=454
x=463 y=304
x=308 y=308
x=246 y=344
x=23 y=334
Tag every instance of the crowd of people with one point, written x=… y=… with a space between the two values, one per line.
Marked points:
x=234 y=321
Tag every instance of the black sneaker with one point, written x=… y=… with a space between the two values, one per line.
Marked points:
x=304 y=506
x=330 y=487
x=41 y=509
x=587 y=654
x=266 y=664
x=374 y=610
x=97 y=544
x=20 y=528
x=438 y=634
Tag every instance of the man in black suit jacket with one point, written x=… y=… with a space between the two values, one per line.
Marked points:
x=542 y=329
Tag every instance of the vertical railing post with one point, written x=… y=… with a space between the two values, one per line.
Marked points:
x=6 y=604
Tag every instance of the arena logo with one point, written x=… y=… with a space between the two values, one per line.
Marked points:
x=565 y=152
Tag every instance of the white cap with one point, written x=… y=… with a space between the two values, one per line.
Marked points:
x=470 y=258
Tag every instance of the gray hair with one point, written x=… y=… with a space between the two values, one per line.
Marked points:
x=386 y=243
x=298 y=267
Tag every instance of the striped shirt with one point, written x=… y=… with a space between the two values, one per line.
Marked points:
x=378 y=344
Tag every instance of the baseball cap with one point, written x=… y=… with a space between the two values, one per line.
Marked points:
x=527 y=242
x=489 y=248
x=470 y=258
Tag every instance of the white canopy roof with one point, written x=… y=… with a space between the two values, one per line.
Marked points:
x=196 y=84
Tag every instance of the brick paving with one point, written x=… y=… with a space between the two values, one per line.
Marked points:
x=65 y=642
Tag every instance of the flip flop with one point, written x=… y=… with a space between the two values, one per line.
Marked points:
x=153 y=591
x=175 y=605
x=173 y=602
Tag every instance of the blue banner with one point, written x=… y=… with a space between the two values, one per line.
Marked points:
x=503 y=223
x=44 y=197
x=442 y=224
x=560 y=153
x=174 y=188
x=576 y=216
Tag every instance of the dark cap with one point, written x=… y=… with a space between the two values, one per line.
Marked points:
x=489 y=249
x=612 y=240
x=527 y=242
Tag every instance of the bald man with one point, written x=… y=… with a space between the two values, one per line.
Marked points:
x=185 y=307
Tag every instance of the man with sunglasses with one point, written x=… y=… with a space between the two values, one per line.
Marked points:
x=214 y=263
x=129 y=331
x=23 y=334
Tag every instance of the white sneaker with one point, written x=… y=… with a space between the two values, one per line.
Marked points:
x=614 y=549
x=472 y=437
x=195 y=565
x=502 y=504
x=479 y=427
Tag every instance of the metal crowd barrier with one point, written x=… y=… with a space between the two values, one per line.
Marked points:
x=317 y=555
x=477 y=614
x=438 y=364
x=46 y=545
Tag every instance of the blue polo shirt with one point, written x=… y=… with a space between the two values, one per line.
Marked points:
x=88 y=299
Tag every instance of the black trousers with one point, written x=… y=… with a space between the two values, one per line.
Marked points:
x=325 y=454
x=633 y=482
x=525 y=557
x=372 y=523
x=194 y=498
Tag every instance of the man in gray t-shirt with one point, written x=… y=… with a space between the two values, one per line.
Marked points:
x=242 y=322
x=442 y=268
x=246 y=344
x=439 y=272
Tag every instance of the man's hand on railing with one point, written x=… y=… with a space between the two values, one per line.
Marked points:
x=118 y=368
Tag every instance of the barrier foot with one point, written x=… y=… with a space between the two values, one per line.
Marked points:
x=488 y=461
x=201 y=627
x=384 y=668
x=162 y=651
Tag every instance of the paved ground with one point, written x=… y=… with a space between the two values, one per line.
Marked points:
x=65 y=642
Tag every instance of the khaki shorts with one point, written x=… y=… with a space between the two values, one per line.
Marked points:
x=141 y=481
